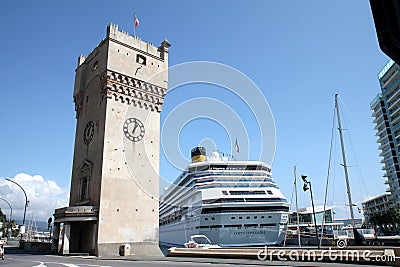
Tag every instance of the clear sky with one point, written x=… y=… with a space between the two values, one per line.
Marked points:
x=299 y=53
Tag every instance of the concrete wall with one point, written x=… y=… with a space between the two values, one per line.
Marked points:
x=129 y=192
x=37 y=247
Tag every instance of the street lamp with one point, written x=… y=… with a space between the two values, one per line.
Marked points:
x=9 y=206
x=306 y=186
x=26 y=198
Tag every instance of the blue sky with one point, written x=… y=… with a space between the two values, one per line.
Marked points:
x=299 y=53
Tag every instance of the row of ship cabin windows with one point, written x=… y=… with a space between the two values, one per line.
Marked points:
x=236 y=226
x=240 y=218
x=269 y=192
x=225 y=168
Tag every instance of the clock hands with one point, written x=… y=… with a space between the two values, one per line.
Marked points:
x=134 y=128
x=89 y=131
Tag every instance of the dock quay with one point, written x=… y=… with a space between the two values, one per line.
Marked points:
x=371 y=255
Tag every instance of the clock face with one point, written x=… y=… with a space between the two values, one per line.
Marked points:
x=133 y=129
x=88 y=133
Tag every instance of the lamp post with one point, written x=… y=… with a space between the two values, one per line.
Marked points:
x=26 y=198
x=9 y=206
x=305 y=188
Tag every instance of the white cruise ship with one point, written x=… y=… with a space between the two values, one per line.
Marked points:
x=233 y=203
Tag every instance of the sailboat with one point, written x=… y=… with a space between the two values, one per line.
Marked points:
x=330 y=233
x=358 y=239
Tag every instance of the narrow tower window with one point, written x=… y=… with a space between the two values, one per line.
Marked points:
x=84 y=188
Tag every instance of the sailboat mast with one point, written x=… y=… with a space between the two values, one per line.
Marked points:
x=346 y=175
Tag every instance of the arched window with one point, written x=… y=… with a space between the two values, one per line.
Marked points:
x=84 y=188
x=85 y=173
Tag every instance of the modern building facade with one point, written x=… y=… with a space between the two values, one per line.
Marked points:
x=306 y=218
x=118 y=93
x=306 y=215
x=376 y=206
x=386 y=113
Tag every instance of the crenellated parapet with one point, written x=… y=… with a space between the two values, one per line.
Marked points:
x=132 y=91
x=135 y=42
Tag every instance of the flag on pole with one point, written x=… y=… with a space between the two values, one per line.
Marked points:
x=237 y=146
x=136 y=23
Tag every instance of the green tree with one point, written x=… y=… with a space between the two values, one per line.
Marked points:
x=3 y=221
x=390 y=217
x=3 y=218
x=6 y=224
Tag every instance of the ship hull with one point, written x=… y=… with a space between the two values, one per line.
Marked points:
x=268 y=228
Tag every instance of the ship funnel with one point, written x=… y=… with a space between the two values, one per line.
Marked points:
x=198 y=154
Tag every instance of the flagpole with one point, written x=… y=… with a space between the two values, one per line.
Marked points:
x=134 y=25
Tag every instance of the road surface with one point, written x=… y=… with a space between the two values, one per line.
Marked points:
x=19 y=259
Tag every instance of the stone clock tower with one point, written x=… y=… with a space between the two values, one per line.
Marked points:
x=119 y=91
